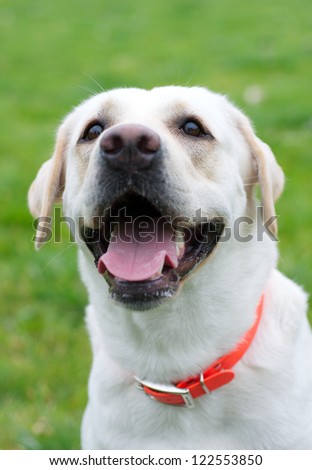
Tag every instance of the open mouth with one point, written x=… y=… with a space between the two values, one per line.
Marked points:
x=143 y=254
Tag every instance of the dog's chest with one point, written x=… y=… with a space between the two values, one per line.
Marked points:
x=131 y=420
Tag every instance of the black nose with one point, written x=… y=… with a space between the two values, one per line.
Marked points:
x=130 y=147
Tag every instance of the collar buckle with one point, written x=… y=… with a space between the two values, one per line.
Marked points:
x=168 y=394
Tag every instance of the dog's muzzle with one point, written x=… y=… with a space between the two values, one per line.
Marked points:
x=141 y=244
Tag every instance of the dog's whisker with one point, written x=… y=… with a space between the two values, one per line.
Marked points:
x=190 y=78
x=101 y=88
x=57 y=256
x=89 y=90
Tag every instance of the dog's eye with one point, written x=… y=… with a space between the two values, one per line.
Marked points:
x=93 y=131
x=193 y=128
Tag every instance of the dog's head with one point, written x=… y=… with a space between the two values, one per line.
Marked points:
x=151 y=178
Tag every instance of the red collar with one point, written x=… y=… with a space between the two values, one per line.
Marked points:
x=216 y=375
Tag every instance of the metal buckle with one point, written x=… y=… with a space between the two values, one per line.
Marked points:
x=202 y=383
x=171 y=389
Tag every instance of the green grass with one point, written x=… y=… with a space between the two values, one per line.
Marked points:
x=51 y=55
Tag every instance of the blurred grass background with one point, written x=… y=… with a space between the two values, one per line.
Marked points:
x=51 y=56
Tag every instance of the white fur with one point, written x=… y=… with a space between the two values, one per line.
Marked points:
x=269 y=403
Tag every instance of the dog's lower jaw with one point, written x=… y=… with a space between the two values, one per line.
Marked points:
x=145 y=295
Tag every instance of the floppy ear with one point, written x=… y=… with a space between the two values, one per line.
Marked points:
x=48 y=186
x=266 y=171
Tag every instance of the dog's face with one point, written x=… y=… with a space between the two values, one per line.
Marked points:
x=151 y=178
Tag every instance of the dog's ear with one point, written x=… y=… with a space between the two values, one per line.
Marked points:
x=266 y=172
x=48 y=186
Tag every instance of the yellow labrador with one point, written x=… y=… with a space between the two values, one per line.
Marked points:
x=198 y=341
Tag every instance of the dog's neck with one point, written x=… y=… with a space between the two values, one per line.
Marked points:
x=182 y=336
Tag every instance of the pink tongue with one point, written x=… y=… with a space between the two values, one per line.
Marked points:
x=138 y=255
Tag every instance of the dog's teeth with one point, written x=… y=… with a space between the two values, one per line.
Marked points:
x=179 y=236
x=155 y=276
x=180 y=245
x=180 y=249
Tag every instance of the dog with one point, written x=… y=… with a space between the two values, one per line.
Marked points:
x=198 y=341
